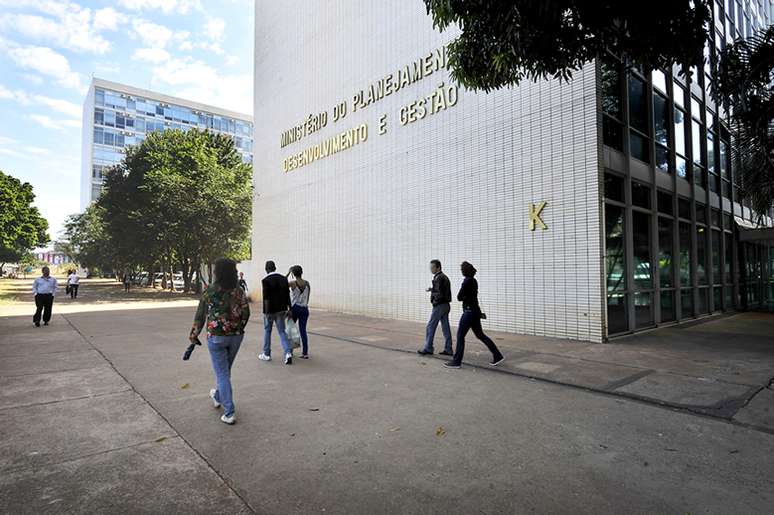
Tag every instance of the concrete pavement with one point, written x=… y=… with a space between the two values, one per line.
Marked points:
x=99 y=414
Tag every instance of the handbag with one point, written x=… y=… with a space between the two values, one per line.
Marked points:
x=293 y=334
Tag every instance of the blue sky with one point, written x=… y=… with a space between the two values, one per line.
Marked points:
x=49 y=50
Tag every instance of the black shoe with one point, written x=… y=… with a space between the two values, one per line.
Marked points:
x=445 y=353
x=497 y=361
x=423 y=352
x=45 y=323
x=451 y=364
x=37 y=324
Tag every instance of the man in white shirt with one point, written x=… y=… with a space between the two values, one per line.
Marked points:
x=72 y=282
x=44 y=289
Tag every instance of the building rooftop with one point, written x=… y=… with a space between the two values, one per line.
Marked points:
x=145 y=93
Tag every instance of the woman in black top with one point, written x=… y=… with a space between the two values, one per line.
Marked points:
x=471 y=319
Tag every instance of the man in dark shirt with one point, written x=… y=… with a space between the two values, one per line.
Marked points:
x=276 y=308
x=440 y=297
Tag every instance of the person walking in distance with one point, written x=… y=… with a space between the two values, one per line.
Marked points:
x=276 y=308
x=299 y=302
x=44 y=289
x=72 y=281
x=242 y=282
x=127 y=282
x=471 y=319
x=224 y=310
x=440 y=298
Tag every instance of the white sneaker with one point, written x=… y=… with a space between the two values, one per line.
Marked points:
x=212 y=396
x=264 y=357
x=289 y=358
x=228 y=420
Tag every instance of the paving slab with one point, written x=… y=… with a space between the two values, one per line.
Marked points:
x=576 y=372
x=51 y=433
x=55 y=362
x=33 y=389
x=708 y=395
x=759 y=411
x=153 y=478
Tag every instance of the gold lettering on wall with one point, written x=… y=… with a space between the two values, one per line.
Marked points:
x=534 y=216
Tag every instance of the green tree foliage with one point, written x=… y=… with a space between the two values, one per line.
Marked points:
x=21 y=226
x=503 y=42
x=86 y=242
x=179 y=200
x=743 y=82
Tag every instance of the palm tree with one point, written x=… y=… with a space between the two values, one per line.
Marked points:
x=744 y=83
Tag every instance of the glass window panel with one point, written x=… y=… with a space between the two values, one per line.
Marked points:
x=662 y=159
x=667 y=306
x=701 y=254
x=665 y=253
x=661 y=119
x=703 y=301
x=717 y=278
x=612 y=133
x=98 y=136
x=659 y=80
x=696 y=136
x=686 y=303
x=616 y=313
x=682 y=167
x=684 y=208
x=640 y=195
x=665 y=202
x=643 y=309
x=639 y=147
x=701 y=213
x=643 y=277
x=638 y=115
x=99 y=116
x=715 y=218
x=710 y=152
x=718 y=298
x=685 y=254
x=614 y=245
x=728 y=260
x=680 y=132
x=723 y=157
x=679 y=94
x=99 y=97
x=614 y=187
x=696 y=108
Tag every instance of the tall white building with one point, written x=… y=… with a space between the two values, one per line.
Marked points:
x=592 y=208
x=116 y=116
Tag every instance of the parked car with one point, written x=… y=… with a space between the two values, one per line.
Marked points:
x=177 y=280
x=141 y=279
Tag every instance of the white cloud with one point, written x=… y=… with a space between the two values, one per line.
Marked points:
x=152 y=34
x=38 y=151
x=10 y=152
x=106 y=19
x=152 y=55
x=214 y=29
x=166 y=6
x=232 y=60
x=62 y=23
x=196 y=80
x=51 y=123
x=59 y=105
x=5 y=140
x=47 y=62
x=53 y=104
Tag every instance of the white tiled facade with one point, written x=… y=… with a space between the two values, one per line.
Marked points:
x=456 y=185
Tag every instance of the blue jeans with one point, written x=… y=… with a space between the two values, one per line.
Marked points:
x=472 y=320
x=268 y=320
x=223 y=351
x=440 y=314
x=301 y=315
